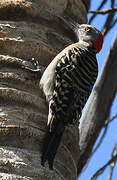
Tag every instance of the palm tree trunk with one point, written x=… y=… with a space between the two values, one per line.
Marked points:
x=32 y=29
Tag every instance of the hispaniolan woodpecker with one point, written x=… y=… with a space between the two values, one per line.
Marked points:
x=67 y=83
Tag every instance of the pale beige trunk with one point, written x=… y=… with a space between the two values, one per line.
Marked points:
x=32 y=29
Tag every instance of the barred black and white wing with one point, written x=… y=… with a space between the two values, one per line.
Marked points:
x=74 y=77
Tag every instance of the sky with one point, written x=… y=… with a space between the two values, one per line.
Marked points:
x=102 y=155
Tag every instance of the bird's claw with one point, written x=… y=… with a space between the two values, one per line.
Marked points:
x=37 y=69
x=36 y=64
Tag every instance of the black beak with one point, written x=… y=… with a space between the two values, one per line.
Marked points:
x=73 y=25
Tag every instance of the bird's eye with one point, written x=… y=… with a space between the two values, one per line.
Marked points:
x=87 y=29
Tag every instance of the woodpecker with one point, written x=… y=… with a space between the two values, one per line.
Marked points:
x=67 y=83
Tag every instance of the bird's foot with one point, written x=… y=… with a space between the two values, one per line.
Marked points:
x=37 y=69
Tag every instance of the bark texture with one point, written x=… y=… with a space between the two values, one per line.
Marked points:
x=98 y=106
x=32 y=29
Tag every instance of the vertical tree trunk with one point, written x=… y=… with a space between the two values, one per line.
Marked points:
x=32 y=29
x=98 y=106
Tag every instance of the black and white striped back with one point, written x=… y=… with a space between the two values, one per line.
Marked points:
x=75 y=75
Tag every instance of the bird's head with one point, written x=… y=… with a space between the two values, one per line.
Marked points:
x=91 y=35
x=86 y=33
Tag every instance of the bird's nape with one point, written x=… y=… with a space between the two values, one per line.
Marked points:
x=98 y=42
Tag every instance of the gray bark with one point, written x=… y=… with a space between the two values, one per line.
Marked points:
x=32 y=29
x=98 y=106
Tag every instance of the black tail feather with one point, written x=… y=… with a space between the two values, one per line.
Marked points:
x=50 y=146
x=54 y=146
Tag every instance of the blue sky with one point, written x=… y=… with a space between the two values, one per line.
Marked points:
x=103 y=153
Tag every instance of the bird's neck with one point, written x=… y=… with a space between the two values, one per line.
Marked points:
x=87 y=44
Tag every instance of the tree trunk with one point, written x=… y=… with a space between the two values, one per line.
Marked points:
x=98 y=107
x=32 y=29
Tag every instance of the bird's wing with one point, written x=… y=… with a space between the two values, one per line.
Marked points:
x=62 y=105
